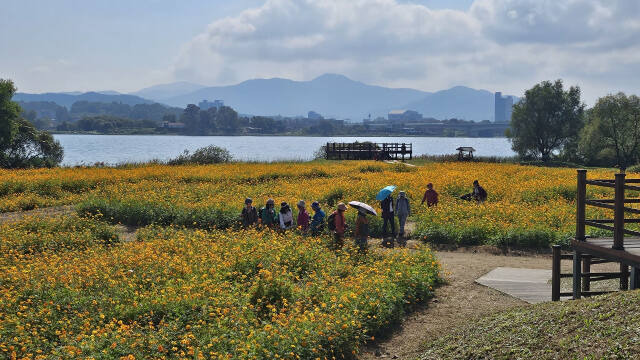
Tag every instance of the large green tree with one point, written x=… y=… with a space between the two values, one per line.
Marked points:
x=612 y=133
x=548 y=119
x=21 y=144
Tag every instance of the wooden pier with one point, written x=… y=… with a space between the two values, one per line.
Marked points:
x=368 y=151
x=588 y=251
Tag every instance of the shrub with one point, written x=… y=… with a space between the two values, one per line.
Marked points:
x=207 y=155
x=371 y=169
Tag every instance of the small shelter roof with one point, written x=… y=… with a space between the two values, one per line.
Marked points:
x=466 y=148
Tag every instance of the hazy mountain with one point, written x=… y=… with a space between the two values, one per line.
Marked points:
x=67 y=99
x=329 y=94
x=162 y=92
x=458 y=102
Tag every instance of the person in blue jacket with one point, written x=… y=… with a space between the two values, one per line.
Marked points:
x=317 y=222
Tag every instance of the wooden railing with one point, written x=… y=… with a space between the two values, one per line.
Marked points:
x=368 y=151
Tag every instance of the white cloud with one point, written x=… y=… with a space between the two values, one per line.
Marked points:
x=497 y=44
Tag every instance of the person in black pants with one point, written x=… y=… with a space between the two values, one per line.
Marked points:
x=387 y=206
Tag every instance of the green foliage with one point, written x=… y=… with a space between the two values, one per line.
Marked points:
x=21 y=144
x=207 y=155
x=334 y=196
x=371 y=169
x=35 y=236
x=612 y=133
x=547 y=119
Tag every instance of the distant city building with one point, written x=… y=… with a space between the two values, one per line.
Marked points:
x=503 y=108
x=404 y=115
x=206 y=105
x=314 y=116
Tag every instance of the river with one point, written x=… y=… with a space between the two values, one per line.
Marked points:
x=116 y=149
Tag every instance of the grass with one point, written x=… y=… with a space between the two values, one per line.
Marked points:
x=603 y=327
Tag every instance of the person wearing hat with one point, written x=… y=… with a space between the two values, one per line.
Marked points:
x=285 y=216
x=362 y=231
x=268 y=215
x=403 y=210
x=249 y=214
x=317 y=223
x=303 y=217
x=339 y=226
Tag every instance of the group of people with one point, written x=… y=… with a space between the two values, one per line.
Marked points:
x=336 y=222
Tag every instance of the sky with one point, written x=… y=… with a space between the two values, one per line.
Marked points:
x=498 y=45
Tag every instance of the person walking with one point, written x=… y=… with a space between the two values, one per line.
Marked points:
x=431 y=196
x=388 y=216
x=403 y=210
x=338 y=225
x=285 y=216
x=249 y=214
x=303 y=217
x=362 y=231
x=317 y=223
x=268 y=215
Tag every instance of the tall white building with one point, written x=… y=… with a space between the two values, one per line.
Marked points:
x=503 y=108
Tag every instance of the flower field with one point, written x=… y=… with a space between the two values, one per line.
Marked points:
x=527 y=206
x=193 y=285
x=177 y=293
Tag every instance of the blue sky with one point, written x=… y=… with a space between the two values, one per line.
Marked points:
x=69 y=45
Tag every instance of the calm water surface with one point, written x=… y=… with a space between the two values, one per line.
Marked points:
x=115 y=149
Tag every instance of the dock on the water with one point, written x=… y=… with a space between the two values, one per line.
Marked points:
x=368 y=151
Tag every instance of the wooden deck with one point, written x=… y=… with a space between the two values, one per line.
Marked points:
x=529 y=285
x=603 y=248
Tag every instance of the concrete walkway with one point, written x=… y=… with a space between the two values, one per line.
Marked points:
x=530 y=285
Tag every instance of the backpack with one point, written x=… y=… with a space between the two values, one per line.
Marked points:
x=331 y=222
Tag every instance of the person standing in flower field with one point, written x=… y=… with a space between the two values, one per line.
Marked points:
x=403 y=210
x=388 y=215
x=249 y=214
x=430 y=196
x=362 y=231
x=338 y=225
x=285 y=216
x=268 y=215
x=317 y=223
x=303 y=217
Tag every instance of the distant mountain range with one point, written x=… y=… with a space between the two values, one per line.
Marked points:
x=67 y=99
x=331 y=95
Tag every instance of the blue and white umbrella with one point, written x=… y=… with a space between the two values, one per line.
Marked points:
x=382 y=194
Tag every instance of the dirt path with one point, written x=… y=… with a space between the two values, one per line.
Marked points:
x=457 y=302
x=126 y=233
x=43 y=212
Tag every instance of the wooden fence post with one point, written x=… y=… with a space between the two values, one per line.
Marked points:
x=618 y=214
x=586 y=269
x=555 y=273
x=581 y=195
x=577 y=275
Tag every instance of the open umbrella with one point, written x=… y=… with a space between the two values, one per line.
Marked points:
x=382 y=194
x=362 y=206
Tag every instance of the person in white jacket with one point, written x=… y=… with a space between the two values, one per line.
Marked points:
x=285 y=216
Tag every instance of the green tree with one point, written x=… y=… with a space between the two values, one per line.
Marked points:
x=21 y=144
x=227 y=119
x=9 y=112
x=612 y=133
x=191 y=119
x=547 y=119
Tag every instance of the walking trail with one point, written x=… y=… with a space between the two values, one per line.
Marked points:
x=457 y=302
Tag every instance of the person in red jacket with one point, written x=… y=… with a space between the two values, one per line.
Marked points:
x=303 y=217
x=431 y=196
x=340 y=226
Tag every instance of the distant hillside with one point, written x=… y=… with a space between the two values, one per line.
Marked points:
x=68 y=99
x=458 y=102
x=330 y=95
x=162 y=92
